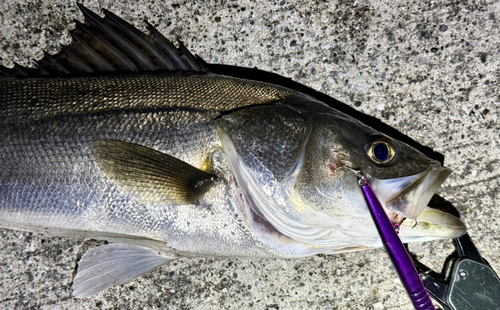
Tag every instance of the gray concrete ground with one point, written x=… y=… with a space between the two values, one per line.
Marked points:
x=427 y=68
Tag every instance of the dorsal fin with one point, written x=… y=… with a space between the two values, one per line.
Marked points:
x=110 y=44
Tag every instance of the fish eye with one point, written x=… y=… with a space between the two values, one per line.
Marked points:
x=381 y=152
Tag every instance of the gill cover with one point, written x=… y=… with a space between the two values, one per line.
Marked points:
x=266 y=147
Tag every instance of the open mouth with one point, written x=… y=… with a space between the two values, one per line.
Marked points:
x=408 y=196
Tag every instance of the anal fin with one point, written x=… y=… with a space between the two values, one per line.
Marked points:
x=150 y=175
x=112 y=264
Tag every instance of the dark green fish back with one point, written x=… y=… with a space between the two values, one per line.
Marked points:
x=34 y=99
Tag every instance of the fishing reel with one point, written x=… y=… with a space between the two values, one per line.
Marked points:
x=467 y=280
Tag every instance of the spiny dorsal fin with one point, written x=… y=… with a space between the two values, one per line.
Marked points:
x=110 y=44
x=149 y=175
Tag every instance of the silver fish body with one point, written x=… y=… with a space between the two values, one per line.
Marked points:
x=168 y=164
x=50 y=177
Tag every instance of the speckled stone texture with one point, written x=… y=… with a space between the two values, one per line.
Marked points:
x=428 y=68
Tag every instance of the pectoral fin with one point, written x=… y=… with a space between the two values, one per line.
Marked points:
x=150 y=175
x=113 y=264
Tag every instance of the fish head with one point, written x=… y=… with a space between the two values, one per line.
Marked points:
x=403 y=178
x=297 y=170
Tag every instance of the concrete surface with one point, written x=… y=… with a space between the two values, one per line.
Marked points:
x=427 y=68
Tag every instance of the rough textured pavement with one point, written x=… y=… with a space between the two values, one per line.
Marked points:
x=428 y=68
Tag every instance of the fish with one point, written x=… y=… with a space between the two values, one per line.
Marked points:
x=127 y=138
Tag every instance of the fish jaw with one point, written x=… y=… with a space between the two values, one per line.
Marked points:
x=430 y=225
x=408 y=196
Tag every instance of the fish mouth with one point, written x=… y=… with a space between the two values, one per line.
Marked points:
x=408 y=196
